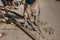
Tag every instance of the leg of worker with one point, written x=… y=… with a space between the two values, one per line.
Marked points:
x=13 y=4
x=25 y=14
x=35 y=12
x=5 y=5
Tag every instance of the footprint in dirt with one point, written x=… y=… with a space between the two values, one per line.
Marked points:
x=49 y=30
x=43 y=23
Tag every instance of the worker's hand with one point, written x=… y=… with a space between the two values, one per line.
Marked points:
x=27 y=9
x=23 y=2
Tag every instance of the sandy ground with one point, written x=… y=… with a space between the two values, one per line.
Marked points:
x=49 y=17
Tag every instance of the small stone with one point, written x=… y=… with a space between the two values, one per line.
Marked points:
x=6 y=18
x=12 y=23
x=0 y=34
x=3 y=20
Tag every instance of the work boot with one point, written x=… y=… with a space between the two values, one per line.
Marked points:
x=35 y=23
x=27 y=25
